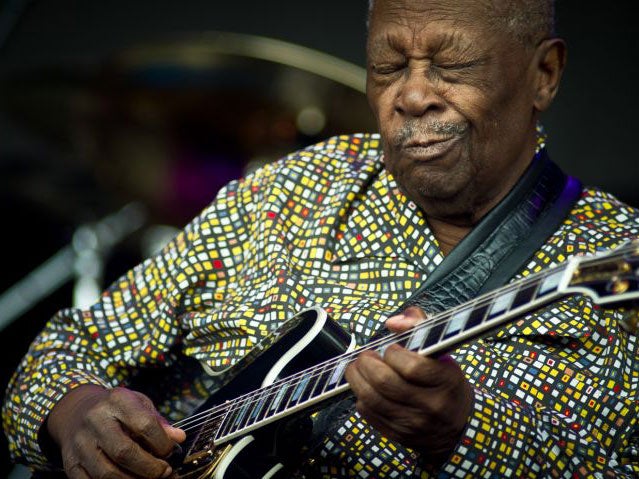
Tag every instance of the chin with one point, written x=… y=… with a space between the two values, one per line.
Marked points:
x=437 y=184
x=440 y=194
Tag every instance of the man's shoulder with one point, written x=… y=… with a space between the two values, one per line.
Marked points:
x=334 y=167
x=339 y=153
x=338 y=156
x=601 y=216
x=598 y=204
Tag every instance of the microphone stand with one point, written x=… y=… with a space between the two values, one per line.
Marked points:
x=82 y=259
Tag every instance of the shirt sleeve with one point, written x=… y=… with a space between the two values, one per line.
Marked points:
x=135 y=324
x=583 y=425
x=515 y=441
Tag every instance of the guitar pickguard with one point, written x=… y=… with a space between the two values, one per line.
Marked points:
x=310 y=339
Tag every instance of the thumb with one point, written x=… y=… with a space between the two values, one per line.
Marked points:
x=410 y=317
x=175 y=433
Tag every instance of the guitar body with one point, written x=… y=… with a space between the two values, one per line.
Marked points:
x=305 y=340
x=256 y=425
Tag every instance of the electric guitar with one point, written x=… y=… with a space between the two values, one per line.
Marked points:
x=301 y=366
x=253 y=426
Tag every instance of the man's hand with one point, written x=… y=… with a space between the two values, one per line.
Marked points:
x=422 y=403
x=112 y=433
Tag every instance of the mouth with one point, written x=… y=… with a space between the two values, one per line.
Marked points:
x=429 y=150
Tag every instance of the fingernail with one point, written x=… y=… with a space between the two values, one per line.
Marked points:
x=167 y=472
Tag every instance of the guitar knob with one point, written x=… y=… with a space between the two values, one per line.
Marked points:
x=619 y=286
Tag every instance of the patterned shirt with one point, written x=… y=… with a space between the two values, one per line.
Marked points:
x=556 y=392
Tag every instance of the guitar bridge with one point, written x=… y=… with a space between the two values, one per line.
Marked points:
x=199 y=457
x=202 y=464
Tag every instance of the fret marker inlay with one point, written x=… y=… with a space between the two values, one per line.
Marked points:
x=502 y=303
x=278 y=397
x=297 y=392
x=417 y=338
x=457 y=322
x=337 y=372
x=551 y=282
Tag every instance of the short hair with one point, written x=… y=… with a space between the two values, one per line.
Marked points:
x=527 y=20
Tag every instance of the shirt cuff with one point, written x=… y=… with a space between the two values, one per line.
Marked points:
x=30 y=406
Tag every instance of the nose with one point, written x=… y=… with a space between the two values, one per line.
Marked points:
x=419 y=94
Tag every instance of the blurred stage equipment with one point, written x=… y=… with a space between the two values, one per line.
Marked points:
x=166 y=125
x=169 y=123
x=81 y=260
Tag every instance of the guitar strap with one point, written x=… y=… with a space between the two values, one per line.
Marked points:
x=504 y=240
x=489 y=256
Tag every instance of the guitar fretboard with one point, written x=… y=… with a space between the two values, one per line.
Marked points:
x=326 y=380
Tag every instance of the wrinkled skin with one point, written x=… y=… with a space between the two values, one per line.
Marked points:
x=456 y=101
x=112 y=433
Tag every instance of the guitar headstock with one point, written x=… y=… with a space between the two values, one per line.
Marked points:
x=609 y=278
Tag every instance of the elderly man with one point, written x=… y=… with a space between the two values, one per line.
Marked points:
x=437 y=209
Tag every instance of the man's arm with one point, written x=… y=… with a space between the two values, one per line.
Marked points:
x=496 y=433
x=111 y=433
x=135 y=324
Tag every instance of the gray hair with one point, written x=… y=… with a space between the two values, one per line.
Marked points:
x=527 y=20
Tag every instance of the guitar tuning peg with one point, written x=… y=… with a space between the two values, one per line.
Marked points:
x=625 y=267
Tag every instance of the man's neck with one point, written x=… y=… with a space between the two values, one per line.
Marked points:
x=449 y=229
x=448 y=235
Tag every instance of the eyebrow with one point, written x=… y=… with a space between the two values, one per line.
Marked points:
x=453 y=42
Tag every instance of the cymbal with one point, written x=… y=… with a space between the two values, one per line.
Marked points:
x=171 y=121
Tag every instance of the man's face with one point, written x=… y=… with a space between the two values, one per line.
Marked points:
x=453 y=96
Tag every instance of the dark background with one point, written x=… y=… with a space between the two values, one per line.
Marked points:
x=591 y=126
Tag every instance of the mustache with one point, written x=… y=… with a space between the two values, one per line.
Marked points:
x=417 y=129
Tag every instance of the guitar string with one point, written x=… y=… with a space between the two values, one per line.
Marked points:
x=433 y=321
x=244 y=420
x=275 y=388
x=317 y=370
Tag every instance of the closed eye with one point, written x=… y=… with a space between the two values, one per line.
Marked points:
x=386 y=68
x=458 y=65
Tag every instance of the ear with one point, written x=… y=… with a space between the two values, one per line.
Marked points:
x=550 y=60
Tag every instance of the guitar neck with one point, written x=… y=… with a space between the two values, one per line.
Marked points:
x=316 y=385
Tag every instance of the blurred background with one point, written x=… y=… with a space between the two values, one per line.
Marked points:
x=120 y=120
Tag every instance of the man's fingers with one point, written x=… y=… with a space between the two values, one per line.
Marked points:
x=369 y=398
x=378 y=385
x=175 y=434
x=419 y=370
x=409 y=318
x=142 y=422
x=394 y=410
x=128 y=434
x=153 y=436
x=99 y=465
x=77 y=472
x=112 y=433
x=130 y=456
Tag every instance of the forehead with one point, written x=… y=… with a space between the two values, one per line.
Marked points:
x=443 y=8
x=432 y=16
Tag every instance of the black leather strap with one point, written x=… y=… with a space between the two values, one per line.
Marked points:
x=495 y=250
x=551 y=219
x=502 y=243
